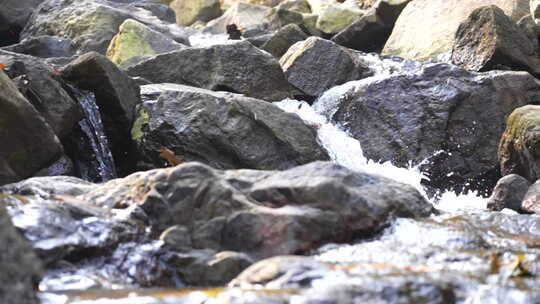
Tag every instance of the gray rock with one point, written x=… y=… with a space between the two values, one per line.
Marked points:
x=315 y=65
x=116 y=95
x=282 y=40
x=188 y=12
x=21 y=268
x=517 y=148
x=28 y=142
x=508 y=193
x=285 y=211
x=489 y=39
x=13 y=17
x=531 y=200
x=221 y=129
x=44 y=46
x=91 y=24
x=244 y=15
x=135 y=41
x=42 y=85
x=433 y=107
x=237 y=67
x=368 y=34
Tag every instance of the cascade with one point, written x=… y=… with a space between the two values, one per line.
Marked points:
x=92 y=127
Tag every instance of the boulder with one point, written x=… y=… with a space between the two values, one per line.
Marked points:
x=299 y=6
x=21 y=268
x=286 y=212
x=426 y=28
x=280 y=17
x=117 y=96
x=13 y=17
x=335 y=18
x=42 y=85
x=315 y=65
x=368 y=34
x=531 y=199
x=244 y=15
x=489 y=39
x=440 y=115
x=28 y=142
x=508 y=193
x=44 y=46
x=517 y=147
x=283 y=39
x=237 y=67
x=389 y=10
x=136 y=41
x=91 y=24
x=188 y=12
x=221 y=129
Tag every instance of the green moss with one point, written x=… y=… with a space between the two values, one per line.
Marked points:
x=129 y=43
x=142 y=119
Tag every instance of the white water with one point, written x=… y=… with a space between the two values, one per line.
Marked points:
x=347 y=151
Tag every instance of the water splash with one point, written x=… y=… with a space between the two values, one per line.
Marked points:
x=347 y=151
x=92 y=126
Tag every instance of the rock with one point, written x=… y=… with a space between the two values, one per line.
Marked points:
x=44 y=46
x=335 y=18
x=286 y=212
x=13 y=17
x=518 y=143
x=42 y=85
x=188 y=12
x=389 y=10
x=315 y=65
x=28 y=142
x=442 y=116
x=531 y=199
x=508 y=193
x=63 y=166
x=528 y=26
x=237 y=67
x=368 y=34
x=116 y=95
x=317 y=6
x=299 y=6
x=177 y=237
x=425 y=29
x=283 y=39
x=21 y=269
x=91 y=24
x=489 y=39
x=244 y=15
x=47 y=186
x=535 y=9
x=279 y=18
x=208 y=268
x=136 y=41
x=245 y=132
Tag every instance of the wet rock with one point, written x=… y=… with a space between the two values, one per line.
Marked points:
x=244 y=133
x=528 y=26
x=91 y=24
x=389 y=10
x=28 y=142
x=367 y=34
x=425 y=29
x=508 y=193
x=489 y=39
x=188 y=12
x=63 y=166
x=335 y=18
x=136 y=41
x=244 y=15
x=517 y=148
x=116 y=95
x=279 y=18
x=177 y=237
x=531 y=200
x=42 y=85
x=286 y=212
x=46 y=186
x=44 y=46
x=236 y=67
x=13 y=17
x=21 y=269
x=433 y=107
x=315 y=65
x=282 y=40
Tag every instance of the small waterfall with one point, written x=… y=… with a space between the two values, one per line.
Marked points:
x=93 y=129
x=345 y=150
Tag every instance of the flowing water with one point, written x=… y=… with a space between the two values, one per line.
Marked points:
x=92 y=126
x=347 y=151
